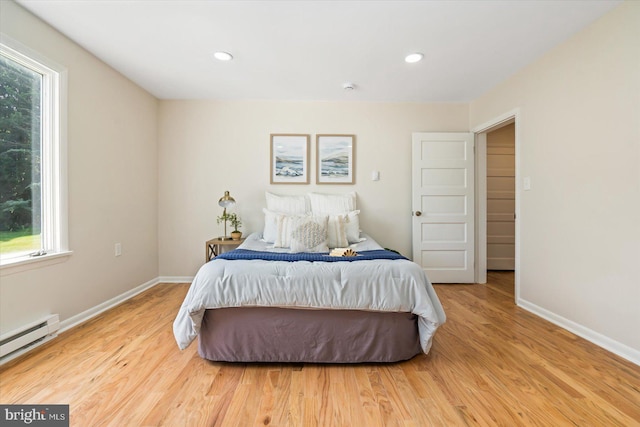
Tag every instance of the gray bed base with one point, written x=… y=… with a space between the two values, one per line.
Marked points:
x=267 y=334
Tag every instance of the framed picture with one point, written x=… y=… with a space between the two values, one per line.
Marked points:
x=336 y=158
x=289 y=159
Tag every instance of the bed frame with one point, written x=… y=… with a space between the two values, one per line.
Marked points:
x=268 y=334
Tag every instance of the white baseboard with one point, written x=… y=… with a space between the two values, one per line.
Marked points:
x=100 y=308
x=605 y=342
x=175 y=279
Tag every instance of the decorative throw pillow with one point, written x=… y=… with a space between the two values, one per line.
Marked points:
x=336 y=231
x=328 y=204
x=310 y=236
x=287 y=204
x=288 y=223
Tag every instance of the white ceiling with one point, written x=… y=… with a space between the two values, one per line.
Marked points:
x=306 y=50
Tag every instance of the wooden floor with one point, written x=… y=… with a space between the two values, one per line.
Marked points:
x=492 y=364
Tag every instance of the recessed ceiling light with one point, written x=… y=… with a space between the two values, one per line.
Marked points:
x=223 y=56
x=414 y=57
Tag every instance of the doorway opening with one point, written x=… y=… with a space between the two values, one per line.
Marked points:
x=497 y=198
x=501 y=198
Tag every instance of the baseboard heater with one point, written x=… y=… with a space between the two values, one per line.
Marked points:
x=19 y=341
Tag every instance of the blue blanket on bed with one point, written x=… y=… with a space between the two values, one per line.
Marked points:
x=306 y=256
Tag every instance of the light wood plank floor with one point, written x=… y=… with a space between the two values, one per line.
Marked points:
x=492 y=364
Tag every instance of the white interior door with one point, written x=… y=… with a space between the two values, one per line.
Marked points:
x=443 y=206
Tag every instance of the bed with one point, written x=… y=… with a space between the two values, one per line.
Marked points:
x=282 y=302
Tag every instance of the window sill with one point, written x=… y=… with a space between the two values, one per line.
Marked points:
x=18 y=265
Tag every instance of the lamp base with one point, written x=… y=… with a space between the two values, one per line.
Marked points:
x=224 y=238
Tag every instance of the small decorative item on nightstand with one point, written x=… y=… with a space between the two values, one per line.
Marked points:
x=235 y=223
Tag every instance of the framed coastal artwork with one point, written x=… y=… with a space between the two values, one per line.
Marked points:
x=289 y=159
x=335 y=158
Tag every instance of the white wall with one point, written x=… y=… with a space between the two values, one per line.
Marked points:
x=112 y=191
x=580 y=144
x=207 y=147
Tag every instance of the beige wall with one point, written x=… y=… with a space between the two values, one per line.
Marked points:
x=207 y=147
x=112 y=191
x=150 y=177
x=579 y=138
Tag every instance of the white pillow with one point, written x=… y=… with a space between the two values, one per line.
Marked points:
x=287 y=204
x=310 y=236
x=270 y=226
x=328 y=204
x=352 y=226
x=336 y=233
x=288 y=223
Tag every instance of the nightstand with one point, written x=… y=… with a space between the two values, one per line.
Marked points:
x=213 y=247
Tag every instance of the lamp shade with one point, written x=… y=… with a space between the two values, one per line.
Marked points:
x=226 y=200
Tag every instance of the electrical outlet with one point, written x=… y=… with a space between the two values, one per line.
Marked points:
x=118 y=249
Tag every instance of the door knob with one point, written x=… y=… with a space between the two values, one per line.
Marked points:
x=418 y=213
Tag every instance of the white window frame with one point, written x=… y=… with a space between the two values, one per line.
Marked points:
x=55 y=236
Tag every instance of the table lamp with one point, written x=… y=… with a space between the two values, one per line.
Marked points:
x=226 y=201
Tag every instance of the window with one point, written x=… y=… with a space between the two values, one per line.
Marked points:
x=32 y=179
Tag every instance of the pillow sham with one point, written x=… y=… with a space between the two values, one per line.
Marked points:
x=352 y=226
x=287 y=204
x=310 y=236
x=327 y=204
x=270 y=230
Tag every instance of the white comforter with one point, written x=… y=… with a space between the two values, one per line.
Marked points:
x=380 y=285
